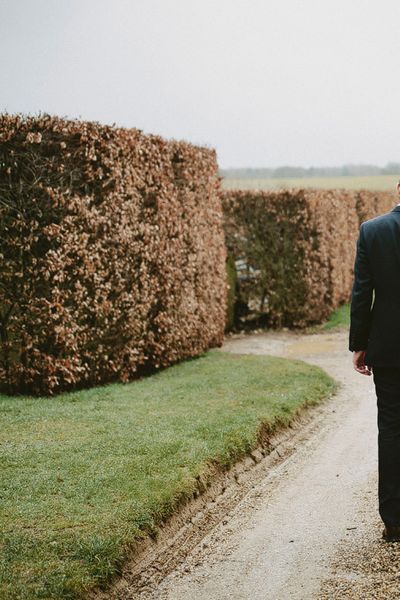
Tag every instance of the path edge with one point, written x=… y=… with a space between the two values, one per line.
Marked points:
x=152 y=558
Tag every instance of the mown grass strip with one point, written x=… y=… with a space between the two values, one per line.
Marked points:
x=86 y=473
x=340 y=318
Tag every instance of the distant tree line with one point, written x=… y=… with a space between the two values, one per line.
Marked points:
x=392 y=168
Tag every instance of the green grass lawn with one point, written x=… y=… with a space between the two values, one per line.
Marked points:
x=339 y=319
x=370 y=182
x=84 y=474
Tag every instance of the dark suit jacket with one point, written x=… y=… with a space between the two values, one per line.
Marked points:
x=375 y=303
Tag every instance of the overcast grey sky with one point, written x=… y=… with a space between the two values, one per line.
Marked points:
x=265 y=82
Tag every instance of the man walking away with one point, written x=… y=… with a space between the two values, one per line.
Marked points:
x=375 y=342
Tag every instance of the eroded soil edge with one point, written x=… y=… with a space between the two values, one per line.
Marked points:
x=152 y=560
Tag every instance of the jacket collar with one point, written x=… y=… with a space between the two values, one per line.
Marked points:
x=396 y=209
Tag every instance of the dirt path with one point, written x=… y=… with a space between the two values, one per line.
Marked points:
x=298 y=531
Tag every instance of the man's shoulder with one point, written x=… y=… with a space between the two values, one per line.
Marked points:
x=377 y=222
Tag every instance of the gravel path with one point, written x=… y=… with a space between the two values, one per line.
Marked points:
x=308 y=529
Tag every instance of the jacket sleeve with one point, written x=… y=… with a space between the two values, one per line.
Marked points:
x=361 y=299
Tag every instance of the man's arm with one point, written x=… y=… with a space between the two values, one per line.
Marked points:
x=361 y=301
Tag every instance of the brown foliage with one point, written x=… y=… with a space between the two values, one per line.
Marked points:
x=297 y=248
x=112 y=253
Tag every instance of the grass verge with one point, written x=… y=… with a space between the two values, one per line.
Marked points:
x=85 y=474
x=339 y=319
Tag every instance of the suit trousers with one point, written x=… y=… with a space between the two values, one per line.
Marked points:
x=387 y=386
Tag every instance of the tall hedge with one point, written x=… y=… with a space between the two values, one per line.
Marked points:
x=296 y=249
x=112 y=253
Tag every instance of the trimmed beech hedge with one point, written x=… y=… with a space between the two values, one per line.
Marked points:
x=112 y=253
x=295 y=250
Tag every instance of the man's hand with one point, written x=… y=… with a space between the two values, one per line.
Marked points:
x=359 y=363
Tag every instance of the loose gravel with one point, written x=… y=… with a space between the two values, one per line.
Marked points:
x=301 y=526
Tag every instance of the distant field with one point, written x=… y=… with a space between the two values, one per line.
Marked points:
x=373 y=182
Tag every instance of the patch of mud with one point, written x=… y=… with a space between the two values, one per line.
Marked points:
x=313 y=347
x=288 y=344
